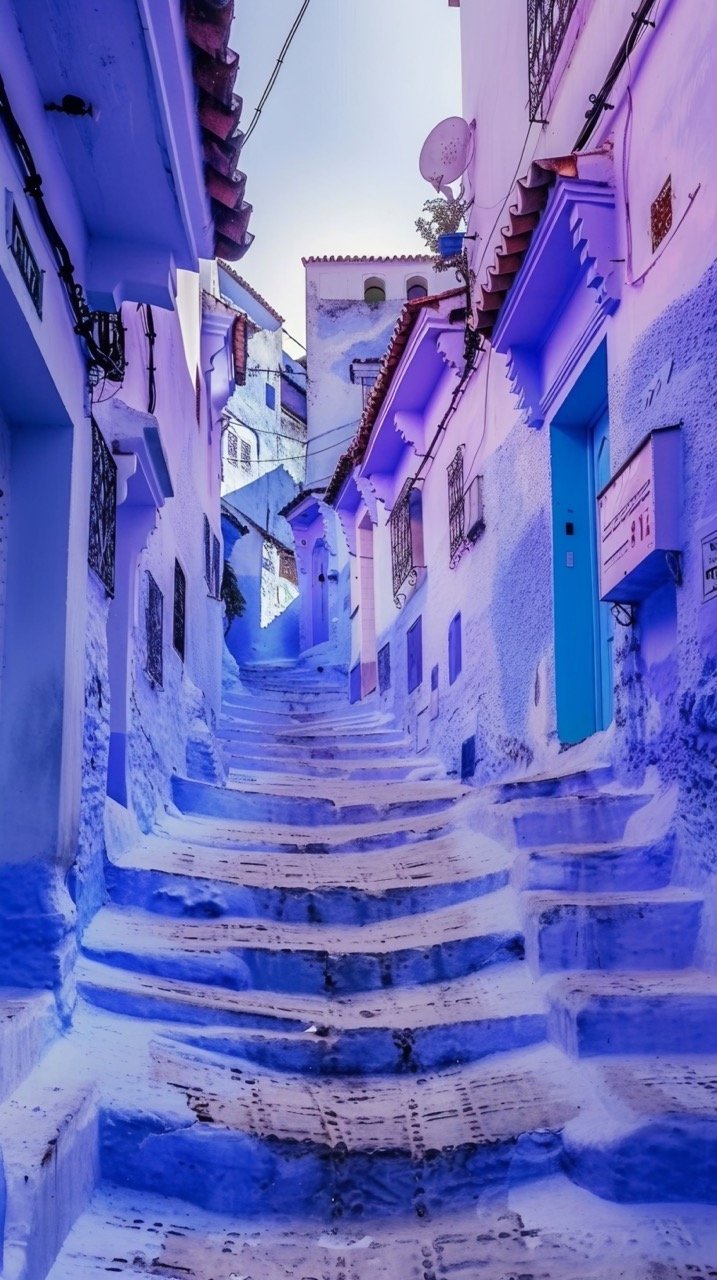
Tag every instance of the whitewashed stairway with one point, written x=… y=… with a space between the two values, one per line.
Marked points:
x=347 y=1019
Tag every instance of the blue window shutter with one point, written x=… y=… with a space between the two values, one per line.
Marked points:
x=455 y=649
x=270 y=395
x=414 y=655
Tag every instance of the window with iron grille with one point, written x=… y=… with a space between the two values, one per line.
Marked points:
x=402 y=566
x=154 y=615
x=207 y=554
x=245 y=455
x=233 y=448
x=216 y=559
x=103 y=512
x=180 y=605
x=456 y=506
x=548 y=22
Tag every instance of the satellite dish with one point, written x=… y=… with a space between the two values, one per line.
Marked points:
x=447 y=152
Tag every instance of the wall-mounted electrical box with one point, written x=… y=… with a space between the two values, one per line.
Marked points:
x=638 y=519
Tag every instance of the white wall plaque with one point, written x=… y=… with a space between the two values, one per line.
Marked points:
x=709 y=565
x=638 y=519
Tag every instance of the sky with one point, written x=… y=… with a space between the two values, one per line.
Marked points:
x=332 y=166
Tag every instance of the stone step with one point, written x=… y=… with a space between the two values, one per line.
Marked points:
x=257 y=735
x=544 y=785
x=242 y=761
x=651 y=1132
x=50 y=1159
x=334 y=838
x=314 y=802
x=178 y=878
x=623 y=1013
x=271 y=1143
x=642 y=930
x=595 y=817
x=551 y=1229
x=28 y=1023
x=322 y=748
x=590 y=868
x=239 y=953
x=430 y=1028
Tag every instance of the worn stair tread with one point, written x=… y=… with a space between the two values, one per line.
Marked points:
x=346 y=793
x=508 y=992
x=544 y=899
x=248 y=833
x=567 y=1235
x=445 y=860
x=578 y=988
x=493 y=1100
x=121 y=929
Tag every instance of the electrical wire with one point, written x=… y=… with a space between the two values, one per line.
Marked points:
x=274 y=75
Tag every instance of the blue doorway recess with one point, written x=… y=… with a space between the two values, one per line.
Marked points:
x=580 y=467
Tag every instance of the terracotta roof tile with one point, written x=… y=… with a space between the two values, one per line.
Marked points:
x=215 y=68
x=367 y=257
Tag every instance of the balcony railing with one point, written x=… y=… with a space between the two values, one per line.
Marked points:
x=548 y=22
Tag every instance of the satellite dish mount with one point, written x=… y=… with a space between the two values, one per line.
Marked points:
x=447 y=152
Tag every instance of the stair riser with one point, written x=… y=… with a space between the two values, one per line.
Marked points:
x=43 y=1203
x=217 y=802
x=624 y=936
x=380 y=1051
x=579 y=820
x=263 y=840
x=316 y=972
x=666 y=1160
x=610 y=871
x=232 y=1173
x=300 y=751
x=189 y=898
x=636 y=1025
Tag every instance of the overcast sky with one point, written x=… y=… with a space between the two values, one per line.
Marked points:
x=333 y=164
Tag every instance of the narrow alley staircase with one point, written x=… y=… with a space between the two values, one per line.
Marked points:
x=346 y=1019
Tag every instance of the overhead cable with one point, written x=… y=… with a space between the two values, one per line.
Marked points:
x=274 y=75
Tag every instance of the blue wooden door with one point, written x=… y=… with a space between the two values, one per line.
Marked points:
x=580 y=466
x=603 y=622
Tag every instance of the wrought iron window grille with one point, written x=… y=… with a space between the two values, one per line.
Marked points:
x=245 y=455
x=404 y=571
x=103 y=512
x=233 y=448
x=456 y=508
x=179 y=621
x=154 y=617
x=548 y=22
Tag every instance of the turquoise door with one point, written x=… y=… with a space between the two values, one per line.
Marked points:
x=580 y=466
x=604 y=621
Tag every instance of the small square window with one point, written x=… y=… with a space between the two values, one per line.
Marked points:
x=270 y=394
x=455 y=654
x=414 y=655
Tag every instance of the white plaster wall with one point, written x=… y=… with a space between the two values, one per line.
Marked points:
x=341 y=327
